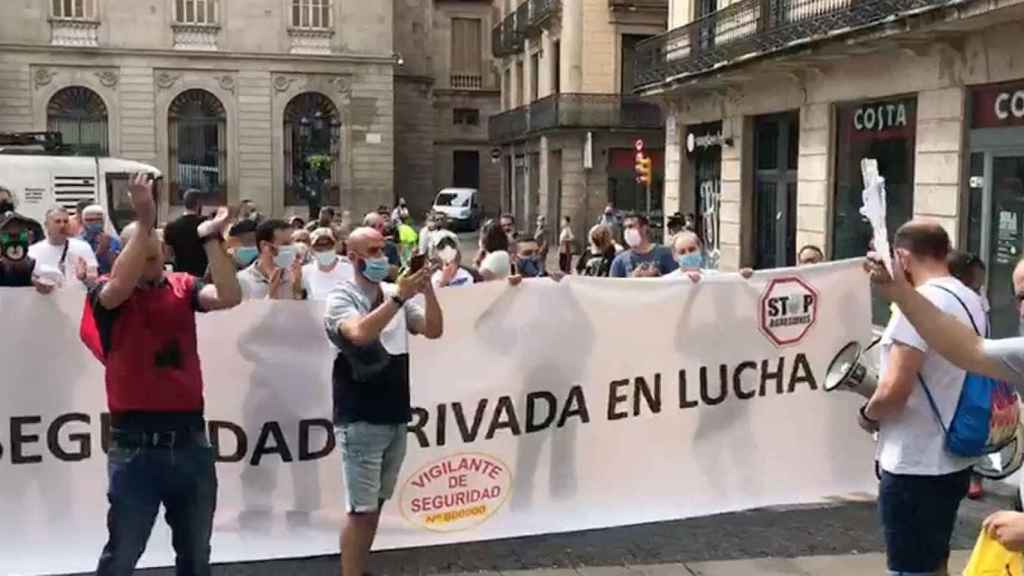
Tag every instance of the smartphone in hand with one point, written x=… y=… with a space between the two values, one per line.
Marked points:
x=417 y=262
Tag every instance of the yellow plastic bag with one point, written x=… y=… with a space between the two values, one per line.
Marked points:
x=989 y=558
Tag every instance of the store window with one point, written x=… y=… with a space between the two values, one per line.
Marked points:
x=995 y=194
x=883 y=130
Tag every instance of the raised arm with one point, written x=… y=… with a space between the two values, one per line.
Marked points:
x=363 y=330
x=952 y=339
x=128 y=268
x=225 y=292
x=431 y=324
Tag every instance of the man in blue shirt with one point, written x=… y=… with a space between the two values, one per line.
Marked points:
x=643 y=259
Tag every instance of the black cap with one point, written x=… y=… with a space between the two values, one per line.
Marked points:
x=242 y=227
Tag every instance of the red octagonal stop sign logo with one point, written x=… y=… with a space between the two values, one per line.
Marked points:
x=789 y=307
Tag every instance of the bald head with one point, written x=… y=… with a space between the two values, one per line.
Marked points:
x=365 y=242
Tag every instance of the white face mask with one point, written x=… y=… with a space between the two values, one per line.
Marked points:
x=326 y=258
x=285 y=256
x=633 y=237
x=448 y=254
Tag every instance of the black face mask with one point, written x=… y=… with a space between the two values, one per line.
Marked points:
x=6 y=206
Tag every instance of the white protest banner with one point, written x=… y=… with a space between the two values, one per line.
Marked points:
x=545 y=408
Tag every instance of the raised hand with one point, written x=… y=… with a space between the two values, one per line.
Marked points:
x=448 y=272
x=411 y=284
x=140 y=190
x=216 y=225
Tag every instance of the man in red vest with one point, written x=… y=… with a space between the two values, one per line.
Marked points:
x=140 y=322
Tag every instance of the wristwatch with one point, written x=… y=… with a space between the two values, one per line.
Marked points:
x=397 y=300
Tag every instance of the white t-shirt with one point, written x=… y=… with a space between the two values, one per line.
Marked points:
x=913 y=442
x=462 y=278
x=318 y=283
x=46 y=254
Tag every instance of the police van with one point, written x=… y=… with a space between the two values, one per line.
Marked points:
x=34 y=167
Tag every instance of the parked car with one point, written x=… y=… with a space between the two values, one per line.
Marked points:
x=461 y=206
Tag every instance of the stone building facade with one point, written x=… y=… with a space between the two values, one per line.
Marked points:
x=568 y=127
x=268 y=100
x=445 y=91
x=770 y=112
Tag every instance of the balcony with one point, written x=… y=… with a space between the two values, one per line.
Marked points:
x=754 y=28
x=575 y=111
x=639 y=5
x=506 y=39
x=541 y=12
x=466 y=81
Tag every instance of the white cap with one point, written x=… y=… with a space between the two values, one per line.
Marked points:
x=498 y=264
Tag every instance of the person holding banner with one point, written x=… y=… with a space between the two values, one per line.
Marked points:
x=369 y=323
x=140 y=323
x=922 y=483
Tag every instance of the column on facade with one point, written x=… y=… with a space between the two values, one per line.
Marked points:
x=673 y=163
x=812 y=191
x=574 y=182
x=572 y=46
x=255 y=136
x=732 y=196
x=546 y=60
x=542 y=181
x=939 y=156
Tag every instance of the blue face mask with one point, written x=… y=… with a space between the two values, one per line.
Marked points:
x=691 y=261
x=376 y=270
x=93 y=229
x=244 y=255
x=529 y=268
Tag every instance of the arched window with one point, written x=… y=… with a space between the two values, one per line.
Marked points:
x=80 y=115
x=312 y=131
x=197 y=134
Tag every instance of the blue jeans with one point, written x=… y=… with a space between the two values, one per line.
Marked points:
x=184 y=480
x=918 y=514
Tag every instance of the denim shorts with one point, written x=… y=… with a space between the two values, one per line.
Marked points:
x=918 y=514
x=371 y=456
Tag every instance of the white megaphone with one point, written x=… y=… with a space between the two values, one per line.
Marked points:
x=1001 y=463
x=848 y=371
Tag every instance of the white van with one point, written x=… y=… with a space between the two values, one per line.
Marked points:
x=40 y=182
x=461 y=206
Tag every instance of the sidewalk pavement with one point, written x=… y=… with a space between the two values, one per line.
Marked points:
x=840 y=538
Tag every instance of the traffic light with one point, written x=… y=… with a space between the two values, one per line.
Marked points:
x=643 y=168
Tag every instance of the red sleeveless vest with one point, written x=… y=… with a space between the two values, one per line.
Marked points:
x=149 y=347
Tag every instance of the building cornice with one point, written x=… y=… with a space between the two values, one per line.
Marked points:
x=76 y=51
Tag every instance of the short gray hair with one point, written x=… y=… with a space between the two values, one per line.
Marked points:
x=55 y=210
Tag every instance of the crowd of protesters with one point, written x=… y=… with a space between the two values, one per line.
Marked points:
x=377 y=276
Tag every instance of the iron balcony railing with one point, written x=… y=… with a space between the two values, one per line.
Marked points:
x=575 y=111
x=638 y=4
x=507 y=37
x=751 y=28
x=542 y=10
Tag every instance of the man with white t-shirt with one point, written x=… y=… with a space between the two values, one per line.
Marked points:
x=327 y=268
x=922 y=483
x=74 y=258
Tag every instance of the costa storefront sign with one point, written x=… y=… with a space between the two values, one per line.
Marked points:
x=880 y=116
x=998 y=105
